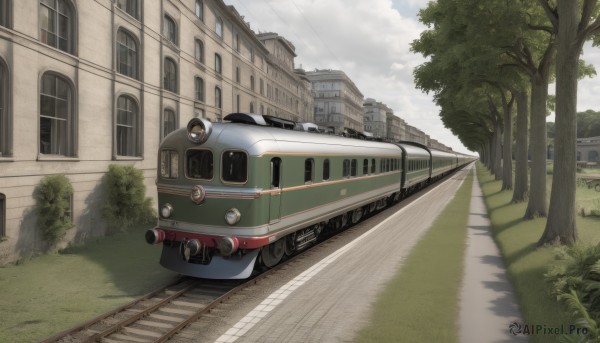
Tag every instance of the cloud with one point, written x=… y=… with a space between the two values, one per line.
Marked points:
x=368 y=40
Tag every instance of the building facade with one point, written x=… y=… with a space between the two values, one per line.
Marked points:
x=588 y=149
x=375 y=118
x=89 y=83
x=337 y=101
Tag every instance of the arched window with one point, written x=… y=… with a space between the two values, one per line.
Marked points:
x=218 y=68
x=127 y=54
x=170 y=29
x=218 y=103
x=170 y=75
x=57 y=118
x=131 y=7
x=200 y=9
x=5 y=115
x=57 y=24
x=199 y=88
x=127 y=127
x=199 y=51
x=219 y=27
x=169 y=122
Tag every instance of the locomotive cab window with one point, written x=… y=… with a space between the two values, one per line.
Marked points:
x=199 y=164
x=169 y=164
x=234 y=166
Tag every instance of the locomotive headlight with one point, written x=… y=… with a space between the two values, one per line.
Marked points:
x=198 y=130
x=232 y=216
x=166 y=211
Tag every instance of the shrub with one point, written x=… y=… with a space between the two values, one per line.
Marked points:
x=126 y=203
x=575 y=282
x=53 y=203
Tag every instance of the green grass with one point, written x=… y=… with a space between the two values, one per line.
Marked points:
x=526 y=264
x=51 y=293
x=420 y=304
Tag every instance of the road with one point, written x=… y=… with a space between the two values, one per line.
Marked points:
x=327 y=297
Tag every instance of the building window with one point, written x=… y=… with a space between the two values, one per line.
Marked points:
x=128 y=127
x=126 y=54
x=169 y=122
x=218 y=103
x=130 y=7
x=2 y=215
x=219 y=27
x=57 y=120
x=251 y=107
x=199 y=51
x=170 y=76
x=5 y=116
x=57 y=24
x=218 y=63
x=200 y=9
x=236 y=42
x=262 y=87
x=199 y=88
x=170 y=29
x=237 y=74
x=252 y=82
x=5 y=14
x=237 y=100
x=252 y=54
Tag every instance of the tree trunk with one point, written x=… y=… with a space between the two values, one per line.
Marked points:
x=536 y=207
x=521 y=185
x=561 y=226
x=507 y=175
x=497 y=150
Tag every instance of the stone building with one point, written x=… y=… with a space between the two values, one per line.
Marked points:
x=375 y=118
x=396 y=127
x=86 y=84
x=337 y=101
x=588 y=149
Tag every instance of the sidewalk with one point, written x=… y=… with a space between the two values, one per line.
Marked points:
x=487 y=302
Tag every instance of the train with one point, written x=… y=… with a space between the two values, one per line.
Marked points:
x=243 y=194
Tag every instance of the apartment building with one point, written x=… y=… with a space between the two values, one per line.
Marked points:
x=89 y=83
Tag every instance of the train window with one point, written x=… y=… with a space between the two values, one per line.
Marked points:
x=387 y=164
x=373 y=167
x=381 y=166
x=353 y=167
x=326 y=170
x=365 y=166
x=275 y=172
x=199 y=164
x=169 y=164
x=346 y=168
x=234 y=166
x=309 y=166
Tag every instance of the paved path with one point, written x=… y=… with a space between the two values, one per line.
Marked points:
x=488 y=305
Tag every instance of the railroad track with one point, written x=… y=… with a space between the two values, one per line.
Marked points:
x=156 y=316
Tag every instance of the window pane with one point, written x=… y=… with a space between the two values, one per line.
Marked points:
x=308 y=170
x=326 y=169
x=200 y=164
x=169 y=123
x=126 y=128
x=234 y=166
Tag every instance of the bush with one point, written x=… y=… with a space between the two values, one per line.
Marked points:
x=126 y=203
x=575 y=282
x=53 y=202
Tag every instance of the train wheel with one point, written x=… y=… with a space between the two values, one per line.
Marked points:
x=357 y=215
x=272 y=253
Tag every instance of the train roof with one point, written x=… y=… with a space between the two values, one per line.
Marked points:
x=414 y=150
x=259 y=140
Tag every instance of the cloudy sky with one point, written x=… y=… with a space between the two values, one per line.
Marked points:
x=370 y=42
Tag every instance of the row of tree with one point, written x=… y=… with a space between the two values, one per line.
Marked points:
x=488 y=60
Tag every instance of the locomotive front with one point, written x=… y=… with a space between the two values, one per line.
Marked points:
x=210 y=223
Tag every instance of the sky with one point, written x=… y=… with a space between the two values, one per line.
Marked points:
x=370 y=42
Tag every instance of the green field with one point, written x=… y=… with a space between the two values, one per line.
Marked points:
x=51 y=293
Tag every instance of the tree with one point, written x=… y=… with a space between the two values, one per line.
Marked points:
x=573 y=26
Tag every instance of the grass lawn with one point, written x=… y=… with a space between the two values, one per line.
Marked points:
x=51 y=293
x=420 y=304
x=526 y=264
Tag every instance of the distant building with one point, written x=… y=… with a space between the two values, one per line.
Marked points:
x=375 y=118
x=588 y=149
x=396 y=127
x=337 y=101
